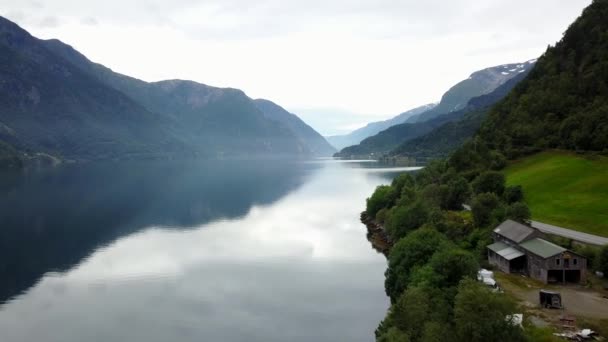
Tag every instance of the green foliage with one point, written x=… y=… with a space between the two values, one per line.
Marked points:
x=415 y=250
x=519 y=212
x=489 y=181
x=418 y=307
x=381 y=215
x=450 y=266
x=383 y=197
x=480 y=315
x=563 y=101
x=591 y=253
x=403 y=219
x=404 y=180
x=561 y=105
x=483 y=208
x=434 y=332
x=393 y=335
x=458 y=191
x=514 y=193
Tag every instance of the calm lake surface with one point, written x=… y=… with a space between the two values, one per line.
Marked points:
x=228 y=251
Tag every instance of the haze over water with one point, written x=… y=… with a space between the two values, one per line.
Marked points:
x=225 y=251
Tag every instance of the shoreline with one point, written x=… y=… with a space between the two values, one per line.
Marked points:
x=376 y=235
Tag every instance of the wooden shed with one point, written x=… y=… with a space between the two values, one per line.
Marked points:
x=518 y=248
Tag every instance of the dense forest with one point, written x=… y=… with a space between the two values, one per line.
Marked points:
x=438 y=247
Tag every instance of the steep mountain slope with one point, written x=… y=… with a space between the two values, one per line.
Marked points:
x=438 y=135
x=55 y=100
x=388 y=139
x=51 y=106
x=479 y=83
x=373 y=128
x=224 y=120
x=444 y=139
x=313 y=140
x=564 y=101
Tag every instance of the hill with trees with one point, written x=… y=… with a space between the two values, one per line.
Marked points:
x=443 y=140
x=438 y=246
x=438 y=135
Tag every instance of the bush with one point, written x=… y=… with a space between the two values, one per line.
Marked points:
x=479 y=315
x=383 y=197
x=489 y=181
x=416 y=249
x=483 y=207
x=514 y=194
x=458 y=191
x=381 y=215
x=402 y=219
x=590 y=253
x=519 y=212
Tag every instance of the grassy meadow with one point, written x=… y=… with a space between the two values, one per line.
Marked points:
x=565 y=189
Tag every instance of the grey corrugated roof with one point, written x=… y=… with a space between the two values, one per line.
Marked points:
x=542 y=248
x=510 y=253
x=505 y=250
x=514 y=231
x=498 y=246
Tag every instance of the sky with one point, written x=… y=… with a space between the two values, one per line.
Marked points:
x=338 y=64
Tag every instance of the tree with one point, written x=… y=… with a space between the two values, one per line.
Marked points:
x=513 y=194
x=404 y=219
x=451 y=266
x=481 y=315
x=489 y=181
x=393 y=335
x=411 y=311
x=414 y=250
x=403 y=180
x=482 y=208
x=382 y=197
x=435 y=332
x=519 y=212
x=458 y=192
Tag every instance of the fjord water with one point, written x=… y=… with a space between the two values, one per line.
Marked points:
x=190 y=251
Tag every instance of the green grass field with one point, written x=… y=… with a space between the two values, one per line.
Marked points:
x=565 y=189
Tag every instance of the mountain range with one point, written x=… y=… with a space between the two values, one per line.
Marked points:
x=481 y=90
x=55 y=101
x=373 y=128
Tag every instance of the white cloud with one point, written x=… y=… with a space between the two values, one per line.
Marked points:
x=376 y=57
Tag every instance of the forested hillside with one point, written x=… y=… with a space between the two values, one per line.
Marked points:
x=438 y=247
x=564 y=101
x=443 y=140
x=437 y=136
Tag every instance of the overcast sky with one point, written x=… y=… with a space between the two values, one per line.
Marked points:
x=336 y=63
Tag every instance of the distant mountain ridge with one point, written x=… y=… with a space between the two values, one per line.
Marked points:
x=373 y=128
x=479 y=83
x=397 y=139
x=315 y=142
x=55 y=100
x=444 y=139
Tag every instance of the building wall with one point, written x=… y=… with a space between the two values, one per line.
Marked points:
x=498 y=261
x=538 y=267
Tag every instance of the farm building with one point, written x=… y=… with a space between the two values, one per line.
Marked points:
x=518 y=248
